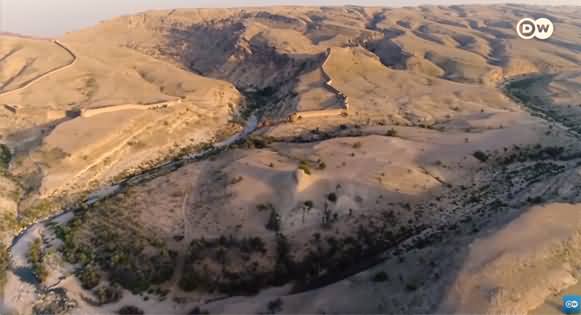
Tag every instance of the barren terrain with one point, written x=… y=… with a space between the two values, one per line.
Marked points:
x=409 y=160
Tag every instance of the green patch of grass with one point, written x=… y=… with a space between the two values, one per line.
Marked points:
x=304 y=166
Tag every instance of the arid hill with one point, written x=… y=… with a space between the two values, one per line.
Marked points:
x=387 y=157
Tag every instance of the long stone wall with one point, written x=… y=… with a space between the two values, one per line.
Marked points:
x=116 y=108
x=319 y=113
x=51 y=72
x=326 y=112
x=90 y=112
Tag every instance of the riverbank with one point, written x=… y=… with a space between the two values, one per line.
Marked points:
x=22 y=288
x=170 y=166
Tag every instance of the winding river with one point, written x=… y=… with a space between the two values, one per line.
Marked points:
x=108 y=191
x=21 y=241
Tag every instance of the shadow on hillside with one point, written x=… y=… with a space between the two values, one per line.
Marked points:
x=444 y=252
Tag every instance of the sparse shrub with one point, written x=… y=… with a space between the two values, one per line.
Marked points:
x=284 y=263
x=535 y=200
x=108 y=294
x=5 y=157
x=328 y=218
x=332 y=197
x=481 y=156
x=198 y=311
x=274 y=306
x=236 y=180
x=264 y=206
x=304 y=166
x=89 y=277
x=273 y=223
x=130 y=310
x=391 y=132
x=380 y=276
x=36 y=259
x=4 y=264
x=257 y=143
x=357 y=145
x=411 y=286
x=132 y=279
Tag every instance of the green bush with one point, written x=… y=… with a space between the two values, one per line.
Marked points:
x=481 y=156
x=4 y=264
x=36 y=259
x=380 y=276
x=332 y=197
x=274 y=306
x=89 y=277
x=198 y=311
x=391 y=133
x=130 y=310
x=108 y=294
x=304 y=166
x=273 y=223
x=5 y=156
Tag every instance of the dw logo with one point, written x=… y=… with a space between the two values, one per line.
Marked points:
x=540 y=28
x=571 y=304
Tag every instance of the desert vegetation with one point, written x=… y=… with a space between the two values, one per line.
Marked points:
x=36 y=258
x=385 y=145
x=5 y=157
x=118 y=253
x=4 y=264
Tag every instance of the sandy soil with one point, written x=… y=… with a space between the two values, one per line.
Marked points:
x=429 y=143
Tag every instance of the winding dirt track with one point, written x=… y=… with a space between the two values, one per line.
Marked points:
x=49 y=73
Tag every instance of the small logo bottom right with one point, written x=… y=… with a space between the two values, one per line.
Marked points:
x=571 y=304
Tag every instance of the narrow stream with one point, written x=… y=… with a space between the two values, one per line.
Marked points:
x=16 y=247
x=21 y=241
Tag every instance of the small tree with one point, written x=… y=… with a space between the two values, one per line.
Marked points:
x=198 y=311
x=108 y=294
x=304 y=166
x=273 y=223
x=4 y=264
x=481 y=156
x=36 y=259
x=380 y=276
x=275 y=306
x=89 y=277
x=327 y=218
x=130 y=310
x=5 y=156
x=391 y=133
x=332 y=197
